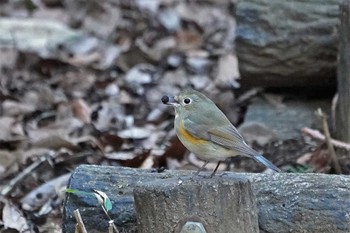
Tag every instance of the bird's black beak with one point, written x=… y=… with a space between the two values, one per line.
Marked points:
x=169 y=100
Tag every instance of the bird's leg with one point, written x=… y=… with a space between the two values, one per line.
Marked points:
x=201 y=168
x=216 y=168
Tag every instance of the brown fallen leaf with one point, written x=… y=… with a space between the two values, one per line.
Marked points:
x=176 y=149
x=81 y=110
x=188 y=39
x=319 y=159
x=148 y=163
x=114 y=141
x=52 y=138
x=129 y=158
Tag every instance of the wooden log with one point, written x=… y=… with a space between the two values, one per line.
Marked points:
x=287 y=43
x=218 y=204
x=286 y=202
x=343 y=107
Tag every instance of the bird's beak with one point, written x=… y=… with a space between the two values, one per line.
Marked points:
x=169 y=100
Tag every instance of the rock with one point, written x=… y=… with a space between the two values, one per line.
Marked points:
x=286 y=120
x=287 y=43
x=256 y=132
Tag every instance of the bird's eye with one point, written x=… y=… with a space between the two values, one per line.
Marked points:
x=187 y=101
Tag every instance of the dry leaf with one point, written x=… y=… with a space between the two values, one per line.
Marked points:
x=140 y=74
x=227 y=72
x=137 y=132
x=128 y=158
x=13 y=218
x=188 y=40
x=14 y=108
x=10 y=129
x=81 y=110
x=6 y=160
x=319 y=160
x=176 y=149
x=52 y=138
x=169 y=18
x=147 y=163
x=40 y=195
x=111 y=140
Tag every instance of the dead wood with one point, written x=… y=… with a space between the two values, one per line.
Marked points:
x=286 y=202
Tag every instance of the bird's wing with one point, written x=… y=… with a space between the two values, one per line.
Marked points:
x=226 y=136
x=229 y=138
x=196 y=130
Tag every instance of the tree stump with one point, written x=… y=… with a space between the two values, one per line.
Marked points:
x=343 y=107
x=218 y=204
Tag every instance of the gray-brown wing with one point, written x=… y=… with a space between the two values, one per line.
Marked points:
x=229 y=138
x=226 y=136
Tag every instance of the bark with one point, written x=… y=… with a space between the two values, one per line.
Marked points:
x=219 y=204
x=343 y=107
x=286 y=202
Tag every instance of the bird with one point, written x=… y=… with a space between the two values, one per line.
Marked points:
x=206 y=131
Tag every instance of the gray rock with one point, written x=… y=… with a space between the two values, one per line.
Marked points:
x=287 y=43
x=286 y=120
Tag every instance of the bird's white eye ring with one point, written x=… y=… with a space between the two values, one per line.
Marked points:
x=187 y=101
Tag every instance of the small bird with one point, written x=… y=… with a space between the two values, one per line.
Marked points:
x=205 y=130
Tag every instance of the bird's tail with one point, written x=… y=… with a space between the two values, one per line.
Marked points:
x=267 y=163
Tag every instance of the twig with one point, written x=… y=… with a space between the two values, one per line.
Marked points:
x=334 y=109
x=328 y=141
x=248 y=95
x=110 y=226
x=21 y=176
x=319 y=136
x=101 y=197
x=80 y=222
x=111 y=221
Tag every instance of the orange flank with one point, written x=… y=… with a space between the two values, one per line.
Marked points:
x=188 y=137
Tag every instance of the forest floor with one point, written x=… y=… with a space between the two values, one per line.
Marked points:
x=81 y=83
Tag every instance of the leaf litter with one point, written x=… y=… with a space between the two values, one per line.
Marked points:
x=81 y=83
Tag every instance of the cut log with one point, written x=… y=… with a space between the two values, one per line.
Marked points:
x=287 y=43
x=286 y=202
x=218 y=204
x=343 y=107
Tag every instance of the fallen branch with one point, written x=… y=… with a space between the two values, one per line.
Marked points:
x=22 y=175
x=80 y=227
x=287 y=202
x=331 y=150
x=315 y=134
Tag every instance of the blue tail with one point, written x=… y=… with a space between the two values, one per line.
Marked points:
x=267 y=163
